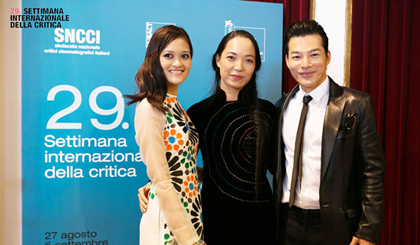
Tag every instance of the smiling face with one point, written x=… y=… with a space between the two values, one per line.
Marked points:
x=175 y=60
x=237 y=64
x=308 y=61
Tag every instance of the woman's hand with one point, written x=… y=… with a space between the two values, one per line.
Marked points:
x=144 y=197
x=360 y=241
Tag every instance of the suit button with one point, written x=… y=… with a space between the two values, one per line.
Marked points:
x=325 y=205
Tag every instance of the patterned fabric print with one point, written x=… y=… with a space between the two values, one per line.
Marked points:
x=169 y=239
x=179 y=113
x=181 y=139
x=173 y=140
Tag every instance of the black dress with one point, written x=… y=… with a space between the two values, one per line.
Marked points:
x=233 y=211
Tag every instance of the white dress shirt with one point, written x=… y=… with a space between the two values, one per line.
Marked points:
x=307 y=193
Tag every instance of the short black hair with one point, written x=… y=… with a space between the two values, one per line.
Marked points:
x=304 y=28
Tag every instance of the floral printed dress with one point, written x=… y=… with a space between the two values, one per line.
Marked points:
x=168 y=146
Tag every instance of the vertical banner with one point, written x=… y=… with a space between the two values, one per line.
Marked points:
x=81 y=166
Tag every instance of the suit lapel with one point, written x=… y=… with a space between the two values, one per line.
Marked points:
x=333 y=115
x=286 y=103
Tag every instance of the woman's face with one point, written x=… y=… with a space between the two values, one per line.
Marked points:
x=175 y=60
x=237 y=64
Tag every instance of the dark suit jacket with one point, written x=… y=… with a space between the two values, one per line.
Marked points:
x=352 y=167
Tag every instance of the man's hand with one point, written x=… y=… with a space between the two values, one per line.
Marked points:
x=144 y=197
x=356 y=241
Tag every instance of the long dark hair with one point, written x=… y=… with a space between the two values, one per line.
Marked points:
x=249 y=95
x=249 y=91
x=150 y=78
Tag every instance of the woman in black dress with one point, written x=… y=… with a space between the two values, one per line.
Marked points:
x=235 y=130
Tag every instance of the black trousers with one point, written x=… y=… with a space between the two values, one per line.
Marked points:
x=300 y=226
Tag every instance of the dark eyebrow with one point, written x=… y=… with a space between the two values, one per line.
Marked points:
x=295 y=52
x=310 y=51
x=313 y=50
x=171 y=51
x=249 y=55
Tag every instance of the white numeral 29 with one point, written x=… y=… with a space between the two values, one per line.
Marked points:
x=118 y=108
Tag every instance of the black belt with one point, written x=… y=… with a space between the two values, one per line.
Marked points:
x=304 y=217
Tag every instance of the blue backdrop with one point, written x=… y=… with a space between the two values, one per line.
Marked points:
x=81 y=166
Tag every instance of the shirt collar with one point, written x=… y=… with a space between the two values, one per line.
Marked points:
x=221 y=95
x=318 y=93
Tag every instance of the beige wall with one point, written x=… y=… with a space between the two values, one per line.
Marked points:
x=10 y=128
x=331 y=14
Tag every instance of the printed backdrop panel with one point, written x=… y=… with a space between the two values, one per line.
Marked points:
x=81 y=164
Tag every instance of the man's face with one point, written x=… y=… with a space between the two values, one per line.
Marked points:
x=307 y=61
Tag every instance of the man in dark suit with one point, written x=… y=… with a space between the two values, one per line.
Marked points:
x=329 y=184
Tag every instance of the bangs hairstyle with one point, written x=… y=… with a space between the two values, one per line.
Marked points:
x=150 y=78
